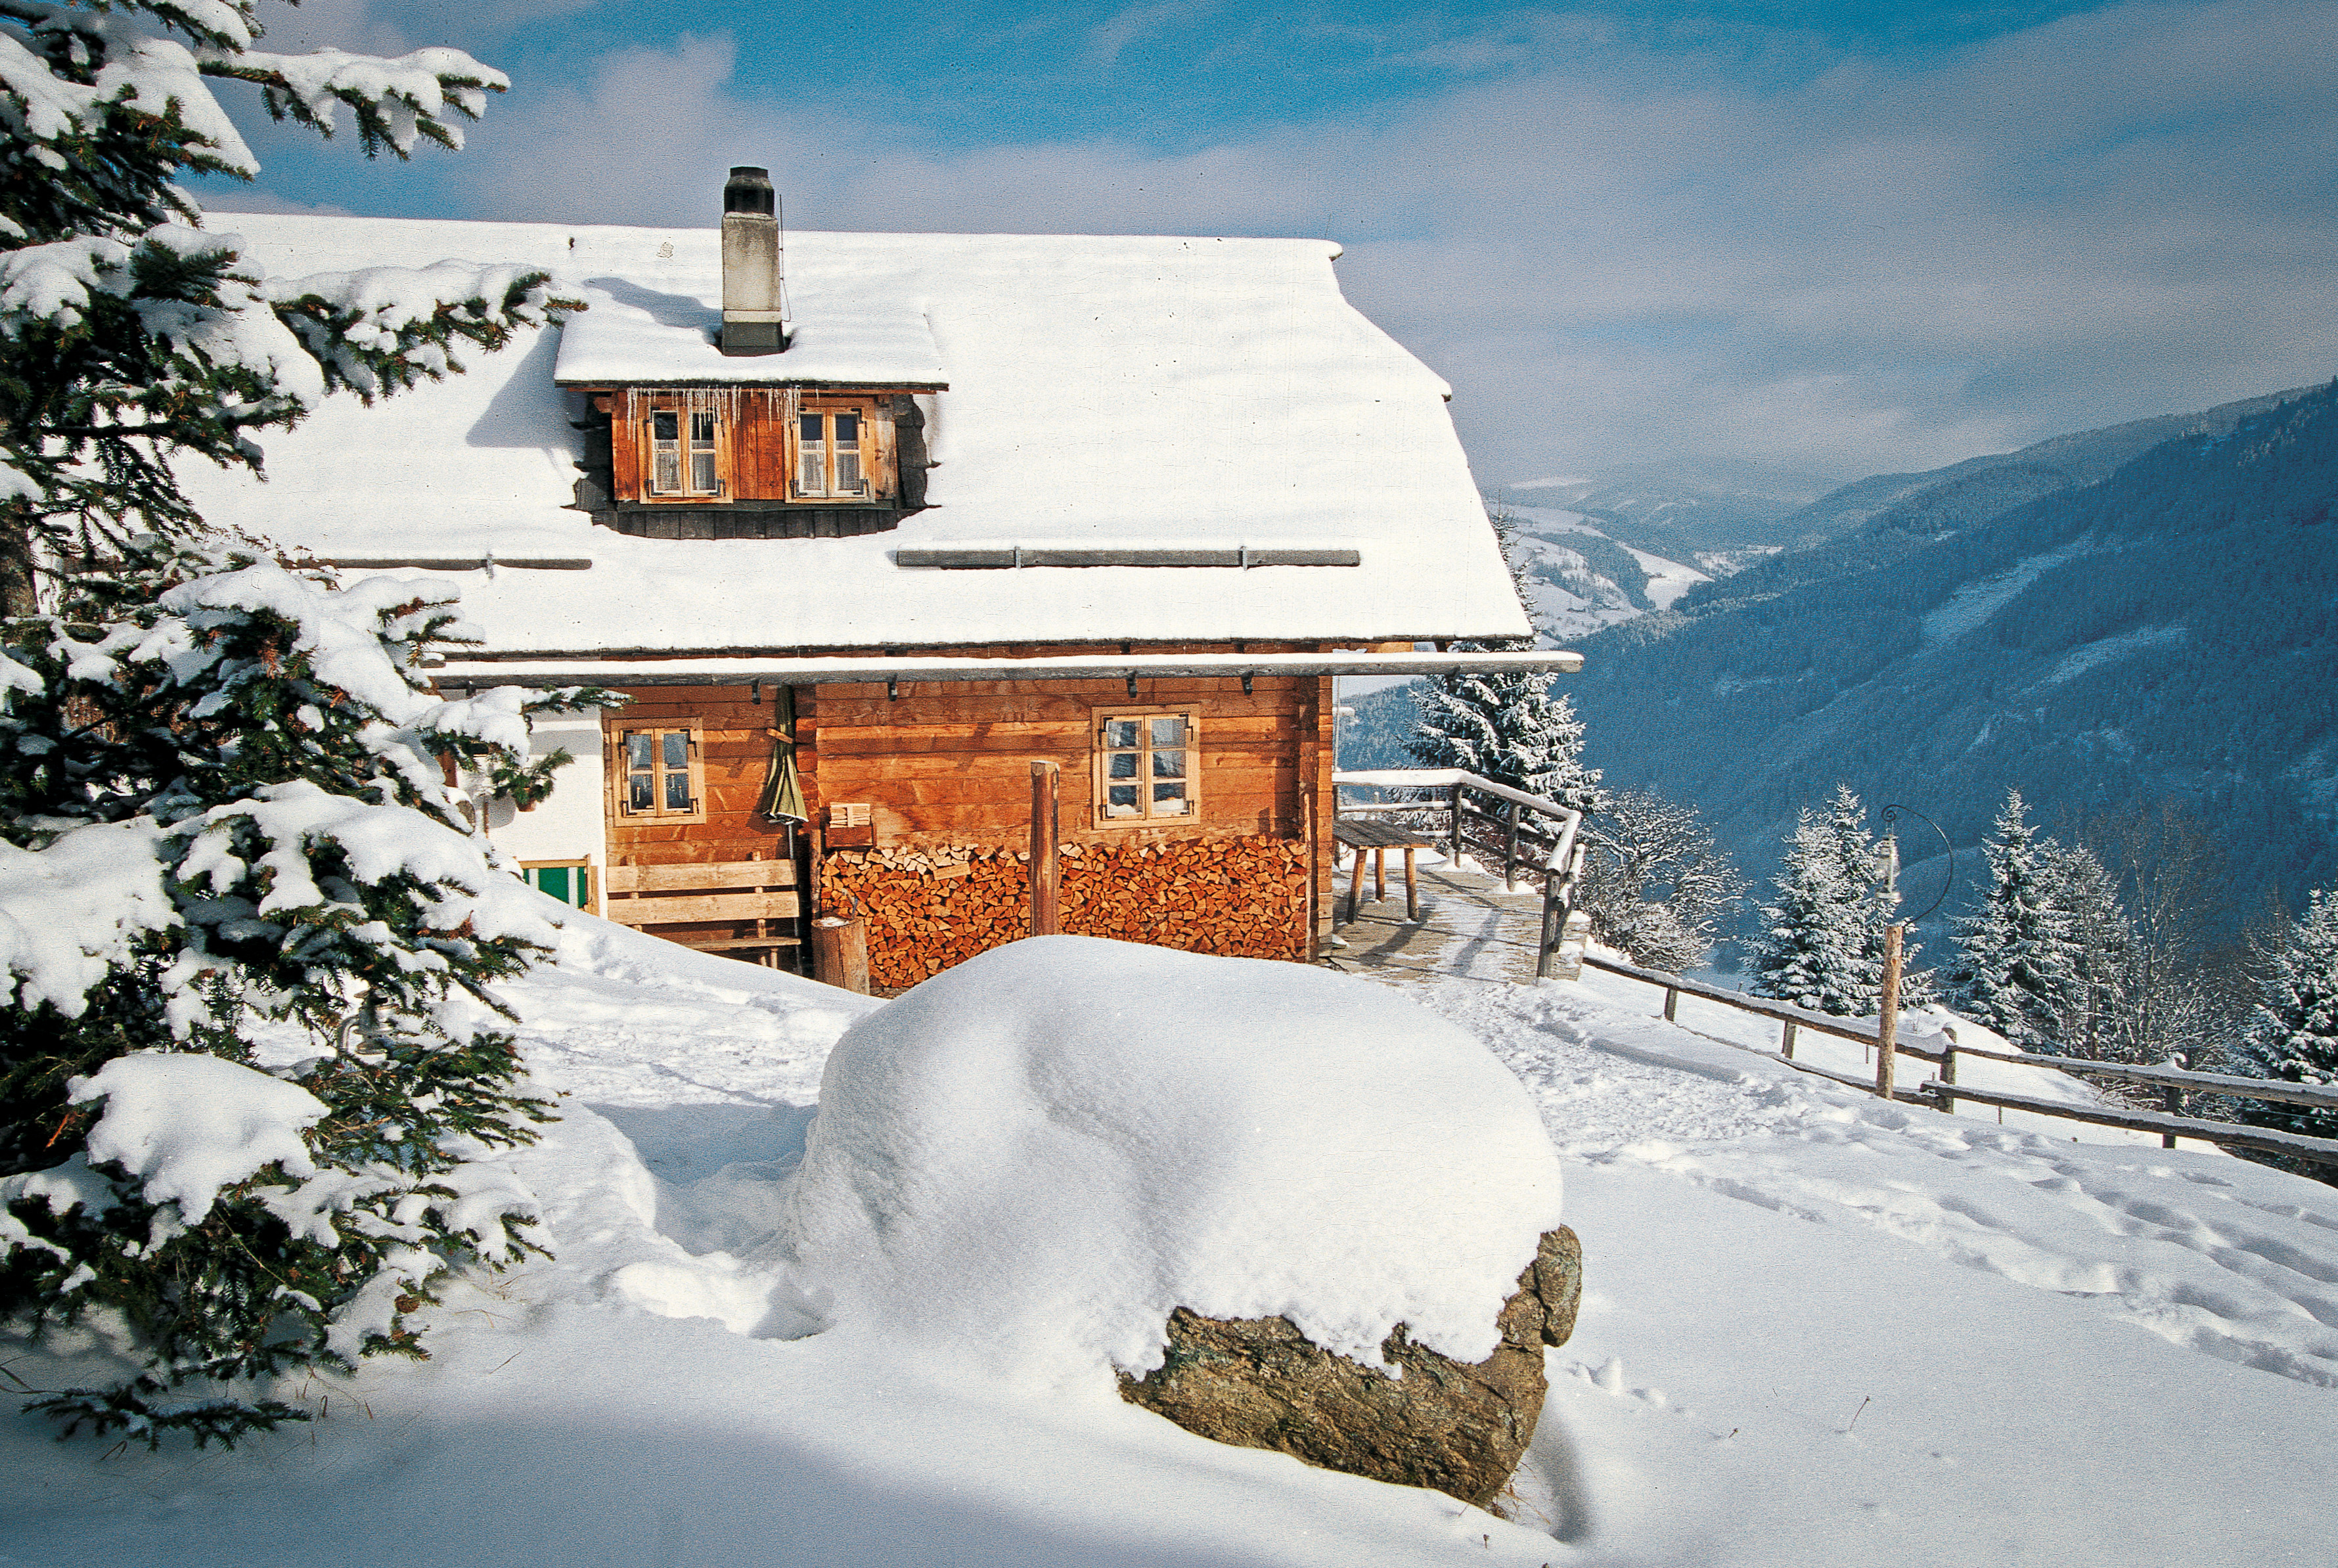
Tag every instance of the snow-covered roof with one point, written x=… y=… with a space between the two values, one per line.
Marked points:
x=634 y=337
x=1103 y=393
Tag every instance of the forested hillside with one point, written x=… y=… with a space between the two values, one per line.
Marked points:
x=2171 y=632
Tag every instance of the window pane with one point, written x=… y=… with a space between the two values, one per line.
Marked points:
x=812 y=465
x=677 y=748
x=1169 y=730
x=1168 y=799
x=640 y=795
x=1121 y=765
x=665 y=426
x=702 y=473
x=847 y=472
x=848 y=429
x=677 y=791
x=1120 y=732
x=1120 y=801
x=701 y=429
x=637 y=748
x=1168 y=764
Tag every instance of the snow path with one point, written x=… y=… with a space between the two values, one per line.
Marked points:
x=2209 y=1252
x=1817 y=1329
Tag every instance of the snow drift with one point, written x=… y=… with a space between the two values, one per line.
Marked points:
x=1031 y=1158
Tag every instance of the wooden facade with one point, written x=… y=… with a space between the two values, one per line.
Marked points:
x=944 y=773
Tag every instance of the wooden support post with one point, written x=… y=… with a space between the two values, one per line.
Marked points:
x=1887 y=1022
x=1456 y=859
x=1411 y=889
x=1044 y=804
x=1946 y=1077
x=1786 y=1041
x=1380 y=873
x=1672 y=1002
x=2173 y=1098
x=1356 y=885
x=1510 y=855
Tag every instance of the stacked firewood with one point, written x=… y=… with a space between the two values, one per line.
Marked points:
x=929 y=908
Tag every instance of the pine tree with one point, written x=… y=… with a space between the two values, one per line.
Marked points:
x=2293 y=1035
x=128 y=335
x=2095 y=1003
x=222 y=797
x=2018 y=970
x=1506 y=726
x=1821 y=945
x=1811 y=946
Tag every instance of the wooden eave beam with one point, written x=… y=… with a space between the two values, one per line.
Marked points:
x=571 y=669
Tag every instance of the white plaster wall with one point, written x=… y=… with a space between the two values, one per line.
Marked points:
x=568 y=823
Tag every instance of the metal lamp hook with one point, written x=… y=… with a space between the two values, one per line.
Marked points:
x=1890 y=818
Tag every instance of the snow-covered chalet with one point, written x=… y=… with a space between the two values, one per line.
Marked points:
x=865 y=524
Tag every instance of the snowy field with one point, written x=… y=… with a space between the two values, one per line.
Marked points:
x=1817 y=1329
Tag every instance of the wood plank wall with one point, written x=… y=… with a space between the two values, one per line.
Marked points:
x=737 y=762
x=757 y=447
x=946 y=765
x=947 y=768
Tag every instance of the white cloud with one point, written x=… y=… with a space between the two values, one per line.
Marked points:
x=1112 y=36
x=1614 y=260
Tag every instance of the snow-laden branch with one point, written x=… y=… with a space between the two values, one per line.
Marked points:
x=395 y=103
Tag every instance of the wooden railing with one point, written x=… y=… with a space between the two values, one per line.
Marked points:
x=1944 y=1091
x=1522 y=826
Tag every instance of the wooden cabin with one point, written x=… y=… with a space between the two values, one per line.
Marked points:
x=865 y=525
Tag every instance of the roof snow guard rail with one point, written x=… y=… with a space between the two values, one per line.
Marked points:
x=1015 y=556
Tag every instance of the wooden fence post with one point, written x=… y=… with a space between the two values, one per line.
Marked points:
x=1044 y=919
x=1672 y=1002
x=1510 y=855
x=1455 y=860
x=1887 y=1021
x=1786 y=1040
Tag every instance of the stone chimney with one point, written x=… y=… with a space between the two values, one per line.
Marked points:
x=754 y=319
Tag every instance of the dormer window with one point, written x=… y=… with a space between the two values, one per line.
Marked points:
x=684 y=456
x=713 y=462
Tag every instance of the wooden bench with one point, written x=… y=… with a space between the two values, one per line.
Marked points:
x=709 y=893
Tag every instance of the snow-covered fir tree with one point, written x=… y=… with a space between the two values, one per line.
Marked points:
x=1821 y=945
x=1507 y=725
x=2017 y=968
x=2293 y=1035
x=222 y=797
x=130 y=336
x=2095 y=1005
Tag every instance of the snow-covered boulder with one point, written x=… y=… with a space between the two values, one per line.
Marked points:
x=1029 y=1161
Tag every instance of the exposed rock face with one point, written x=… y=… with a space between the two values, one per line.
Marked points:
x=1446 y=1425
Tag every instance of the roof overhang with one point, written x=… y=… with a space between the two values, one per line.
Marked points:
x=521 y=670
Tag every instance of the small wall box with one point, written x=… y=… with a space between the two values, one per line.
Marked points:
x=849 y=826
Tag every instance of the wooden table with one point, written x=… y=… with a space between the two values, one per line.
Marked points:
x=1362 y=833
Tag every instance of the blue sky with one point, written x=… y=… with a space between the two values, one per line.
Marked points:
x=1833 y=239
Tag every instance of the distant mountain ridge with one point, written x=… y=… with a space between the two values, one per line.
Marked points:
x=1874 y=521
x=2170 y=629
x=1683 y=512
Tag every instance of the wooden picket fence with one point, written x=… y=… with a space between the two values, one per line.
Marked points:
x=1942 y=1090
